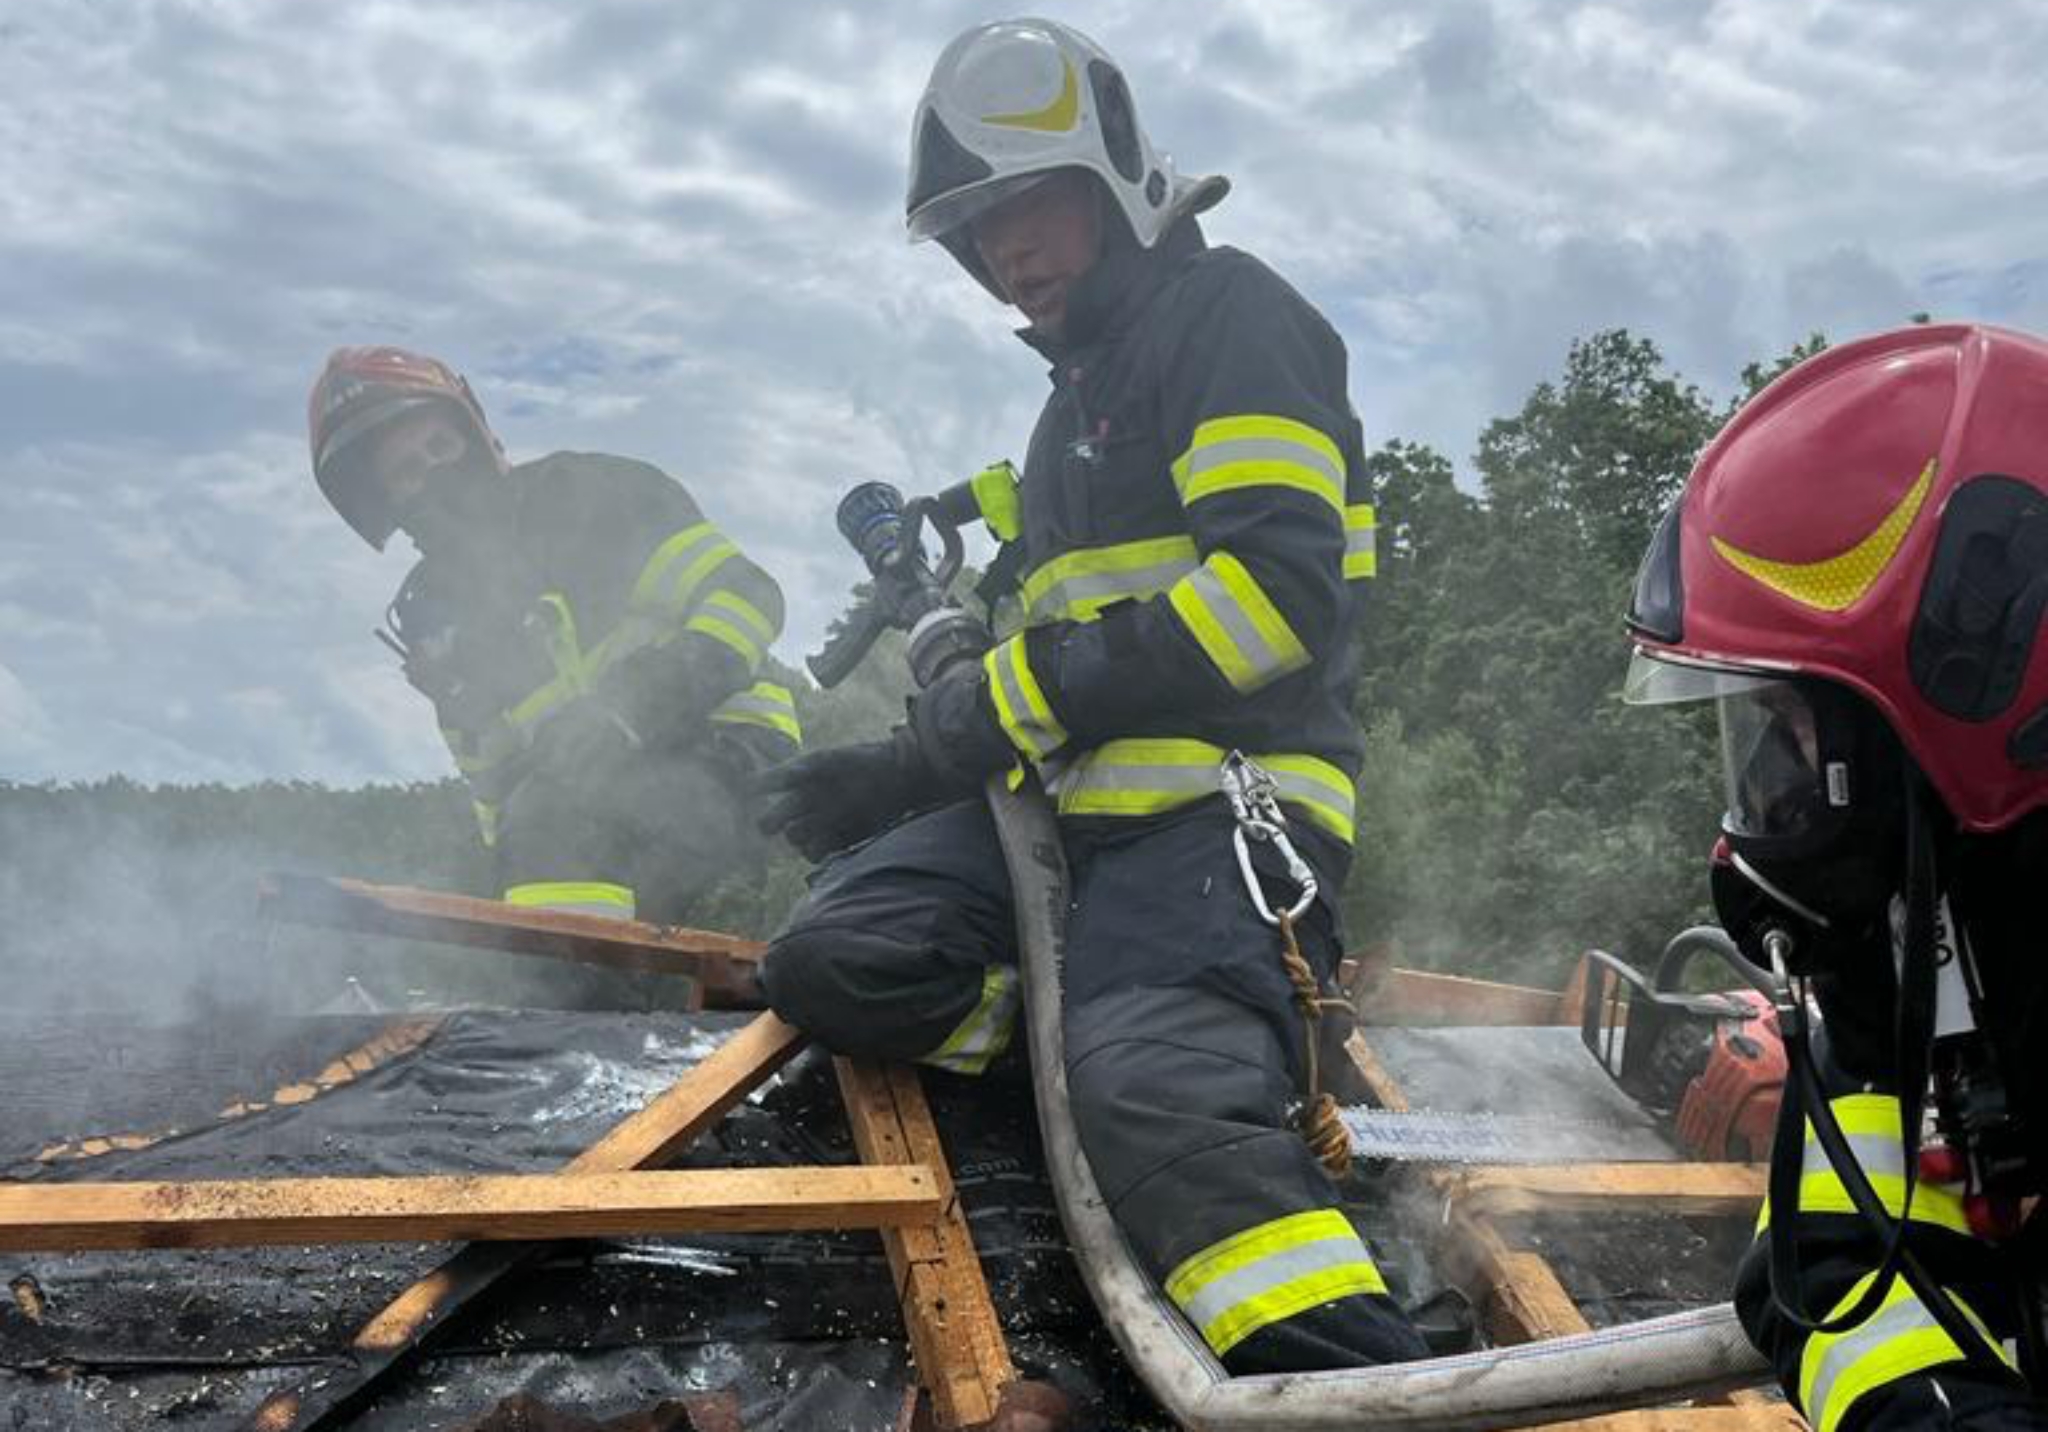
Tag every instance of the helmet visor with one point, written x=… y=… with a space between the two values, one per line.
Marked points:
x=1777 y=778
x=1655 y=680
x=949 y=212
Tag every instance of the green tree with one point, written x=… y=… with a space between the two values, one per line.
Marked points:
x=1515 y=812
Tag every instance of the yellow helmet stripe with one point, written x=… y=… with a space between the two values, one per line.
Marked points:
x=1837 y=583
x=1056 y=118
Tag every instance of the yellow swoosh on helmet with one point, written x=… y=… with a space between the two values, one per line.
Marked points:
x=1836 y=583
x=1056 y=117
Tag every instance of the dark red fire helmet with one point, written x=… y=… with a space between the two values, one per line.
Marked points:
x=1877 y=518
x=358 y=392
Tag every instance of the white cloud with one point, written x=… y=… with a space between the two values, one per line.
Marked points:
x=674 y=232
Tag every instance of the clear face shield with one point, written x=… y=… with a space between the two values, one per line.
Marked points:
x=1779 y=783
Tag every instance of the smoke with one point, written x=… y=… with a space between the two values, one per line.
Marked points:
x=140 y=902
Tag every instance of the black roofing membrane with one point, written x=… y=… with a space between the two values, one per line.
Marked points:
x=803 y=1327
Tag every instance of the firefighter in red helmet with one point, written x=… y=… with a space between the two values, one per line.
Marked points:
x=592 y=645
x=1856 y=572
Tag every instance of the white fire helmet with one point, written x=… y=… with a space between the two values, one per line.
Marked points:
x=1013 y=101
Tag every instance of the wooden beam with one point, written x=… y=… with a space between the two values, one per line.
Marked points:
x=246 y=1213
x=1410 y=997
x=1763 y=1416
x=697 y=1101
x=955 y=1337
x=744 y=1062
x=1682 y=1189
x=720 y=964
x=1379 y=1081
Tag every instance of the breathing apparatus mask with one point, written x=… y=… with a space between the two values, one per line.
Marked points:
x=1813 y=832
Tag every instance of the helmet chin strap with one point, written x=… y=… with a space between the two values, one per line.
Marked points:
x=1806 y=1101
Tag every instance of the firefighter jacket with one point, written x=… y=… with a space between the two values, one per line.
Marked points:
x=1898 y=1367
x=611 y=612
x=1193 y=521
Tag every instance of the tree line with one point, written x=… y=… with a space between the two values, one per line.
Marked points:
x=1512 y=811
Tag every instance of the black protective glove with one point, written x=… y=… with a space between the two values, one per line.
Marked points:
x=955 y=723
x=827 y=800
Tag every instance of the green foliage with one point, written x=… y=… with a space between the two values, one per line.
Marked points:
x=1514 y=812
x=1756 y=376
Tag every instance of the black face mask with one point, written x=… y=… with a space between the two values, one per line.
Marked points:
x=1815 y=827
x=456 y=507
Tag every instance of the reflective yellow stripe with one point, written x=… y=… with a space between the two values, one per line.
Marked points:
x=1361 y=542
x=1079 y=584
x=985 y=1032
x=1270 y=1272
x=995 y=493
x=648 y=587
x=721 y=630
x=486 y=822
x=729 y=617
x=587 y=897
x=1021 y=707
x=678 y=568
x=1871 y=1125
x=1259 y=450
x=1236 y=623
x=693 y=576
x=571 y=680
x=1897 y=1340
x=763 y=704
x=738 y=609
x=1141 y=776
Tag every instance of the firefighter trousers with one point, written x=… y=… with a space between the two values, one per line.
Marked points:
x=640 y=835
x=1183 y=1051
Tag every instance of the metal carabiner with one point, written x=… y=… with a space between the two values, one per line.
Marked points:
x=1255 y=800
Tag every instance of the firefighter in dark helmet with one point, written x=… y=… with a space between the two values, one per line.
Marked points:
x=1192 y=526
x=592 y=645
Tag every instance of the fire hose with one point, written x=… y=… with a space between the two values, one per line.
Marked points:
x=1665 y=1359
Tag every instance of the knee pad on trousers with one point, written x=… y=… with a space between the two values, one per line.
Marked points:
x=861 y=993
x=1160 y=1075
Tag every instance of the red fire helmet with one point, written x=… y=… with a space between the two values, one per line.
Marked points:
x=1878 y=518
x=359 y=391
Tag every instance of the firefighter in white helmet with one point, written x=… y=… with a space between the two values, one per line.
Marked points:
x=1190 y=532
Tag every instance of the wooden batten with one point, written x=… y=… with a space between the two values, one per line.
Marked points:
x=245 y=1213
x=962 y=1357
x=718 y=964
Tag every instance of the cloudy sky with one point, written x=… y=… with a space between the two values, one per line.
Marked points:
x=672 y=230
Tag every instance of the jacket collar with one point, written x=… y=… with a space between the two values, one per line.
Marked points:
x=1107 y=300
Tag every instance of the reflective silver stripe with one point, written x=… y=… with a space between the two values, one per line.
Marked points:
x=1870 y=1125
x=1243 y=1286
x=1900 y=1339
x=1086 y=593
x=1361 y=541
x=1141 y=776
x=1021 y=708
x=1876 y=1154
x=1852 y=1346
x=1210 y=456
x=986 y=1030
x=747 y=704
x=1258 y=660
